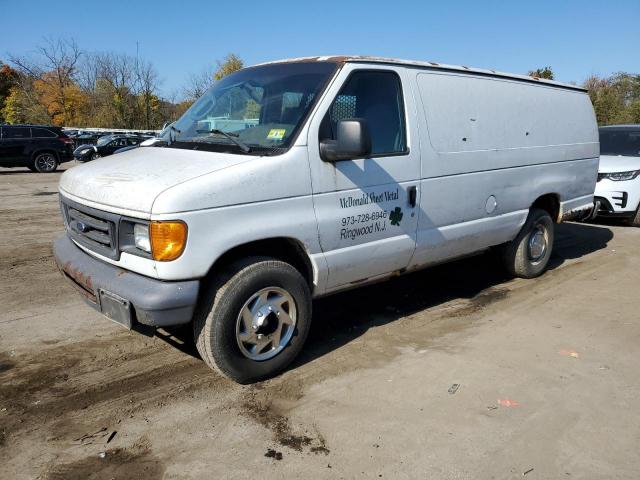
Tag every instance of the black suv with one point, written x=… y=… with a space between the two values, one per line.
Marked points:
x=40 y=148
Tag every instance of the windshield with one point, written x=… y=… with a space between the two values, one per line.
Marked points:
x=102 y=141
x=259 y=107
x=620 y=142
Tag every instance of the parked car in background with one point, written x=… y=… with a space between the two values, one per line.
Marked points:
x=105 y=146
x=86 y=138
x=618 y=189
x=40 y=148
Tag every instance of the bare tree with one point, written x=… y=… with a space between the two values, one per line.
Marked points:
x=198 y=83
x=54 y=65
x=146 y=86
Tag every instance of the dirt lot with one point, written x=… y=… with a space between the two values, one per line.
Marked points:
x=372 y=395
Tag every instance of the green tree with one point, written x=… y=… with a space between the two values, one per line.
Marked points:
x=230 y=64
x=616 y=99
x=544 y=72
x=20 y=107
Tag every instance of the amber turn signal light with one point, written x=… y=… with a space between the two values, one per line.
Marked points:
x=168 y=240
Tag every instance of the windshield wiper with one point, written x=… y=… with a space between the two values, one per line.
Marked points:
x=245 y=148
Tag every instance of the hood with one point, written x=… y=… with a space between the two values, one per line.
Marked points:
x=618 y=163
x=131 y=181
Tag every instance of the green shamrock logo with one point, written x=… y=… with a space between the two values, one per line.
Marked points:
x=396 y=216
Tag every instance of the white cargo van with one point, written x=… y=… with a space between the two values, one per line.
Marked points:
x=296 y=179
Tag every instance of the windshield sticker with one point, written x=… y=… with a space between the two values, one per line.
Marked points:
x=276 y=134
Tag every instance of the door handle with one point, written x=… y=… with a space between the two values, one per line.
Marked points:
x=412 y=191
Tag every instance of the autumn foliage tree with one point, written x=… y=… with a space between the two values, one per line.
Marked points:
x=62 y=85
x=8 y=80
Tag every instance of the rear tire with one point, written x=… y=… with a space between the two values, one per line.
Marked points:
x=227 y=325
x=528 y=254
x=45 y=162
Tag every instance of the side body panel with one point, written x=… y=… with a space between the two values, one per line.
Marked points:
x=490 y=148
x=365 y=222
x=14 y=151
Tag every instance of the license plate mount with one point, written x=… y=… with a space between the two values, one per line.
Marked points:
x=116 y=308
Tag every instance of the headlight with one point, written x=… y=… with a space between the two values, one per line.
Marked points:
x=168 y=240
x=84 y=151
x=621 y=176
x=141 y=237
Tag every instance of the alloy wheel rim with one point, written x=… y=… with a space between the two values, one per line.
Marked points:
x=46 y=162
x=266 y=323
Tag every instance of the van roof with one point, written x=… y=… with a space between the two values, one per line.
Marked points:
x=621 y=127
x=426 y=65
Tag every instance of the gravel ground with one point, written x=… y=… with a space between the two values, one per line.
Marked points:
x=454 y=372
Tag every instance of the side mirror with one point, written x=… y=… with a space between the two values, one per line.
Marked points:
x=352 y=141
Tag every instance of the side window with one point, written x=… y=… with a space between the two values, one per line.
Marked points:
x=16 y=132
x=375 y=96
x=42 y=133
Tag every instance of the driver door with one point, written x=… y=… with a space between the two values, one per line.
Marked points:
x=366 y=208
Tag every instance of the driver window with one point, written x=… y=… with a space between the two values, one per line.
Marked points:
x=375 y=96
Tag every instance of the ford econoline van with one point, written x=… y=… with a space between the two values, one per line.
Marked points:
x=296 y=179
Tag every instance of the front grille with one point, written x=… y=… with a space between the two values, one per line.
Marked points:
x=92 y=228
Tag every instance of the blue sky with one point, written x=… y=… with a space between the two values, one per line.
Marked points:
x=577 y=38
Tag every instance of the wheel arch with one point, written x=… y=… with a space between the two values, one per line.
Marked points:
x=550 y=202
x=286 y=249
x=35 y=153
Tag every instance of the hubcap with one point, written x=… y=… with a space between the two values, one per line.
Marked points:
x=46 y=162
x=537 y=243
x=266 y=323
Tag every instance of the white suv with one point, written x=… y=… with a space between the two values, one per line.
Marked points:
x=618 y=187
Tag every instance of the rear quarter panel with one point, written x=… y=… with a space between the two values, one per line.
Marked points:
x=485 y=138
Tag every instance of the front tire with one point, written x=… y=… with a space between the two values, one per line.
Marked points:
x=528 y=254
x=45 y=162
x=635 y=220
x=253 y=321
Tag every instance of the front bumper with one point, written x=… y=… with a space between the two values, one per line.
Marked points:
x=618 y=198
x=123 y=296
